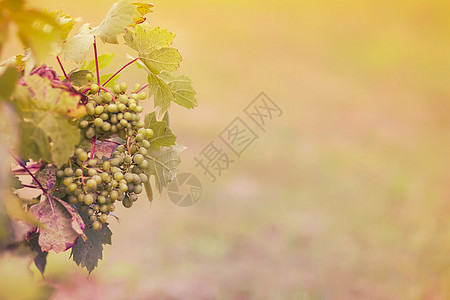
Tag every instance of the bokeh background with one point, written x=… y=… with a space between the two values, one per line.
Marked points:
x=345 y=196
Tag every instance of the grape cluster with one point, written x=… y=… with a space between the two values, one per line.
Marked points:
x=112 y=113
x=96 y=184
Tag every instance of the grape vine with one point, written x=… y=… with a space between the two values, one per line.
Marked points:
x=82 y=139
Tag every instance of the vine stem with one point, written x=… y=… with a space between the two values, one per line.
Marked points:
x=94 y=139
x=31 y=174
x=142 y=88
x=62 y=68
x=115 y=74
x=114 y=142
x=96 y=60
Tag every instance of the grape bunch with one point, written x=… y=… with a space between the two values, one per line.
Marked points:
x=95 y=184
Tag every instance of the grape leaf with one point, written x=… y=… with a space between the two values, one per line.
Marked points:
x=121 y=15
x=37 y=30
x=87 y=252
x=76 y=47
x=163 y=164
x=145 y=39
x=181 y=87
x=40 y=259
x=163 y=136
x=161 y=92
x=162 y=59
x=66 y=23
x=47 y=177
x=105 y=149
x=15 y=182
x=78 y=78
x=103 y=61
x=148 y=191
x=8 y=82
x=34 y=143
x=61 y=224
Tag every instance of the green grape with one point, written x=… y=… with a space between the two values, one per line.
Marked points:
x=123 y=187
x=92 y=162
x=141 y=131
x=123 y=99
x=92 y=172
x=134 y=197
x=118 y=176
x=142 y=96
x=103 y=218
x=105 y=177
x=78 y=151
x=134 y=96
x=139 y=137
x=107 y=97
x=101 y=199
x=143 y=164
x=90 y=133
x=139 y=109
x=81 y=197
x=73 y=200
x=121 y=107
x=113 y=119
x=114 y=195
x=119 y=116
x=90 y=212
x=96 y=207
x=111 y=207
x=93 y=218
x=128 y=159
x=132 y=106
x=98 y=99
x=89 y=77
x=149 y=133
x=99 y=109
x=145 y=143
x=140 y=124
x=124 y=122
x=79 y=172
x=106 y=126
x=83 y=156
x=112 y=108
x=138 y=158
x=94 y=88
x=120 y=148
x=123 y=87
x=91 y=184
x=96 y=226
x=104 y=208
x=88 y=199
x=116 y=89
x=129 y=177
x=137 y=189
x=143 y=151
x=72 y=187
x=68 y=171
x=98 y=122
x=67 y=181
x=136 y=178
x=136 y=88
x=106 y=166
x=60 y=174
x=97 y=179
x=127 y=116
x=104 y=116
x=114 y=183
x=84 y=124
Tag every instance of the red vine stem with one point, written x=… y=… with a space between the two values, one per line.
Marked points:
x=115 y=74
x=94 y=139
x=62 y=68
x=111 y=141
x=96 y=60
x=31 y=174
x=142 y=88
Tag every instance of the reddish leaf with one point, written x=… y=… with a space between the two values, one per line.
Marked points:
x=105 y=149
x=61 y=224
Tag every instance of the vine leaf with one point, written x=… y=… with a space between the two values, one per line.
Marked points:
x=40 y=259
x=47 y=177
x=105 y=149
x=181 y=87
x=87 y=252
x=61 y=224
x=161 y=92
x=163 y=164
x=121 y=15
x=76 y=47
x=34 y=143
x=163 y=136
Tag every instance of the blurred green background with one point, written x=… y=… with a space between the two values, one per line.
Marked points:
x=346 y=196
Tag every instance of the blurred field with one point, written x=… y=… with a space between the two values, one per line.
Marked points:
x=346 y=196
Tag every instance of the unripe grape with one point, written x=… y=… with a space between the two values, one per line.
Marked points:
x=121 y=107
x=83 y=156
x=139 y=109
x=96 y=226
x=106 y=166
x=104 y=116
x=98 y=122
x=123 y=99
x=119 y=116
x=111 y=207
x=68 y=171
x=143 y=164
x=145 y=143
x=79 y=172
x=123 y=87
x=136 y=179
x=116 y=89
x=84 y=124
x=139 y=137
x=96 y=207
x=143 y=151
x=113 y=119
x=98 y=99
x=91 y=184
x=92 y=162
x=101 y=200
x=132 y=106
x=114 y=195
x=103 y=218
x=94 y=88
x=134 y=197
x=142 y=96
x=127 y=116
x=88 y=199
x=89 y=77
x=104 y=208
x=134 y=96
x=99 y=109
x=112 y=108
x=136 y=88
x=106 y=126
x=137 y=189
x=105 y=177
x=60 y=174
x=118 y=176
x=93 y=218
x=73 y=200
x=72 y=187
x=107 y=97
x=90 y=212
x=90 y=133
x=92 y=172
x=67 y=181
x=127 y=203
x=149 y=133
x=97 y=179
x=129 y=177
x=128 y=159
x=138 y=158
x=123 y=187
